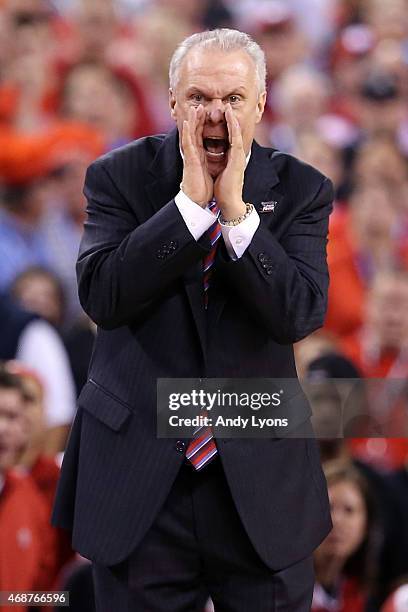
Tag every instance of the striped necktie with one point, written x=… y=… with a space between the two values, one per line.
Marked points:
x=214 y=234
x=202 y=447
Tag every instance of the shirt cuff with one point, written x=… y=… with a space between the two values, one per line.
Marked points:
x=197 y=219
x=237 y=238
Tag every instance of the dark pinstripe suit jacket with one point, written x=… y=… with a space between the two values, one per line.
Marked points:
x=140 y=280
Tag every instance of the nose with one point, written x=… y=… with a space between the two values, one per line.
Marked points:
x=216 y=111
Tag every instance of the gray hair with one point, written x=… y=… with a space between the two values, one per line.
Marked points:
x=225 y=40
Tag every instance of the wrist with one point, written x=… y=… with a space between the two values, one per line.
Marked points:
x=238 y=219
x=232 y=210
x=191 y=196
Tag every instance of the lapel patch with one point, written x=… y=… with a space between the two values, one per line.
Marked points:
x=267 y=207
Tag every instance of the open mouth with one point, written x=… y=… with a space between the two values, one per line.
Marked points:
x=215 y=147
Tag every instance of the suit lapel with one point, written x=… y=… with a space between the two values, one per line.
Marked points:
x=260 y=176
x=260 y=185
x=165 y=174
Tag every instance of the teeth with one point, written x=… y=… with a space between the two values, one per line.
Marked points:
x=215 y=154
x=214 y=142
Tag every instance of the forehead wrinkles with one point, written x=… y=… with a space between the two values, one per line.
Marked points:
x=217 y=69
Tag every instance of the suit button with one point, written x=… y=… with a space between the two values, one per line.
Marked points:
x=159 y=254
x=180 y=446
x=173 y=245
x=261 y=257
x=269 y=271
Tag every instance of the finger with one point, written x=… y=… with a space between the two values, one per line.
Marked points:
x=200 y=126
x=186 y=140
x=236 y=155
x=234 y=130
x=192 y=121
x=228 y=112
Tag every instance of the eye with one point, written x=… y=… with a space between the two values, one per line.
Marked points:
x=233 y=99
x=196 y=98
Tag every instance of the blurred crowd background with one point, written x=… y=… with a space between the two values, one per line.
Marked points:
x=81 y=77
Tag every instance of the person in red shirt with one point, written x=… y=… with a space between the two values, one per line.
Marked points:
x=380 y=351
x=345 y=560
x=361 y=242
x=26 y=539
x=42 y=468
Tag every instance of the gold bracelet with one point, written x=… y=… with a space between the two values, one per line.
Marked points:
x=237 y=220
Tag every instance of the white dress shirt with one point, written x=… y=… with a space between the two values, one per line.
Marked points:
x=237 y=238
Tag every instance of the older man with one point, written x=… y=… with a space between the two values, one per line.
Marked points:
x=203 y=256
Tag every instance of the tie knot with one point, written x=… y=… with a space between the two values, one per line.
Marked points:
x=213 y=206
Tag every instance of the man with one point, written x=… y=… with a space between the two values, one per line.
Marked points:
x=163 y=534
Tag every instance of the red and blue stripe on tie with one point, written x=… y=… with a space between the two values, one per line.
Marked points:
x=202 y=447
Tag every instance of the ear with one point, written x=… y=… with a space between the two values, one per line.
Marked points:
x=260 y=106
x=172 y=104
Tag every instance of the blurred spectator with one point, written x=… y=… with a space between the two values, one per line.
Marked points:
x=21 y=244
x=379 y=348
x=96 y=27
x=381 y=108
x=24 y=336
x=158 y=31
x=301 y=99
x=398 y=601
x=380 y=351
x=60 y=226
x=42 y=468
x=388 y=19
x=39 y=290
x=379 y=157
x=398 y=481
x=349 y=59
x=317 y=150
x=110 y=101
x=26 y=539
x=362 y=241
x=43 y=212
x=345 y=561
x=274 y=26
x=335 y=388
x=337 y=397
x=316 y=345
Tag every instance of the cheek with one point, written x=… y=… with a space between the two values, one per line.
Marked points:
x=356 y=532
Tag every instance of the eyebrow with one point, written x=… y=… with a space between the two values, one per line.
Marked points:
x=194 y=89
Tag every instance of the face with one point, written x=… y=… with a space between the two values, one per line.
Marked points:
x=387 y=311
x=39 y=294
x=373 y=213
x=12 y=426
x=327 y=409
x=349 y=516
x=213 y=78
x=34 y=409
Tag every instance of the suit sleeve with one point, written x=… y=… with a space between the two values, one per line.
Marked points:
x=284 y=284
x=124 y=265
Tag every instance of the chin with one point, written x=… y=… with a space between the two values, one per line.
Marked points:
x=215 y=168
